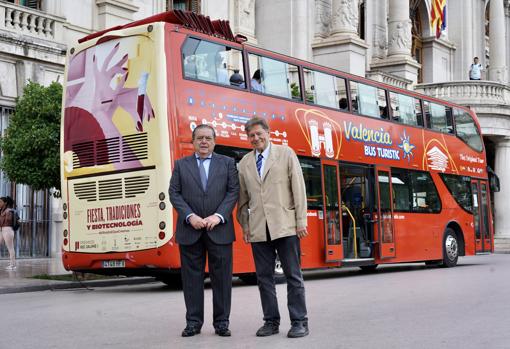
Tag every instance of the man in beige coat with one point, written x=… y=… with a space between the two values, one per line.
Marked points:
x=272 y=213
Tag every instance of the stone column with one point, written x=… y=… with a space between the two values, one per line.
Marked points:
x=501 y=199
x=497 y=68
x=399 y=61
x=345 y=17
x=380 y=42
x=399 y=29
x=337 y=43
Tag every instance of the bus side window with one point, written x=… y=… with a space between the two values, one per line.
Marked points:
x=466 y=129
x=320 y=88
x=208 y=61
x=406 y=109
x=312 y=174
x=274 y=77
x=368 y=99
x=438 y=119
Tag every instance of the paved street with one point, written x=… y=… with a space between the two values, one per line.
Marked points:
x=403 y=306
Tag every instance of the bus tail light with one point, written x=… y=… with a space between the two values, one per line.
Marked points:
x=65 y=242
x=161 y=235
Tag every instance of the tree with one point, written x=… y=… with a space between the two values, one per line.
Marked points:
x=31 y=145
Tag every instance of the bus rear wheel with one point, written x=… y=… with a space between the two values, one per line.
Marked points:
x=368 y=268
x=450 y=248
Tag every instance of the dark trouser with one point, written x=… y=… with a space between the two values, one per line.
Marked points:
x=289 y=252
x=193 y=272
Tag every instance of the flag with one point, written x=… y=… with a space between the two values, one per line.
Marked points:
x=438 y=16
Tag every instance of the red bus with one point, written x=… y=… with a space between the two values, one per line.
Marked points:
x=392 y=176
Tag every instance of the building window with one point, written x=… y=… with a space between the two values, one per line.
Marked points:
x=35 y=4
x=184 y=5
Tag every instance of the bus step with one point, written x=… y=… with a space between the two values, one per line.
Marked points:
x=355 y=262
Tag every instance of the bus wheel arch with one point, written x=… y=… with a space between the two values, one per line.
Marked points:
x=451 y=247
x=460 y=237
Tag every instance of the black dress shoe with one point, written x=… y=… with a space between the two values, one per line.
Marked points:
x=268 y=329
x=190 y=331
x=298 y=329
x=223 y=332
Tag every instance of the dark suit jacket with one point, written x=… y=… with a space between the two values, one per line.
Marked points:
x=187 y=196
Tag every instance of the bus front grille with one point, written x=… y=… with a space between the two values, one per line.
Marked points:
x=110 y=150
x=118 y=188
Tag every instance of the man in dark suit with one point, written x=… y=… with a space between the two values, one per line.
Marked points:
x=204 y=190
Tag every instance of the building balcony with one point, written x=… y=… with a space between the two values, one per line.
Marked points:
x=21 y=20
x=485 y=97
x=490 y=100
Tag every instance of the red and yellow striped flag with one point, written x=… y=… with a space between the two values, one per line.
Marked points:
x=438 y=16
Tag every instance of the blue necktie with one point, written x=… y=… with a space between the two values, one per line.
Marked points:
x=259 y=164
x=203 y=175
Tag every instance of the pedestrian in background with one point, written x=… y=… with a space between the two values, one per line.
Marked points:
x=204 y=189
x=7 y=232
x=475 y=70
x=272 y=213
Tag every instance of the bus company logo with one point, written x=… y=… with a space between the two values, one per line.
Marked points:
x=406 y=146
x=437 y=160
x=318 y=140
x=365 y=134
x=321 y=132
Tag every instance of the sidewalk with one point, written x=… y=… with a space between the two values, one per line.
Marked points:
x=20 y=280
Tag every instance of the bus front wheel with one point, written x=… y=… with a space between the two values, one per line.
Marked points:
x=450 y=248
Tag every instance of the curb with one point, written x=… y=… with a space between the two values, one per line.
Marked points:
x=67 y=285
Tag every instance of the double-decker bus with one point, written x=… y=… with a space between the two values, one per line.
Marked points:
x=392 y=176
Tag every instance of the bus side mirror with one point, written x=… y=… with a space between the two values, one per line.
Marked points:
x=493 y=180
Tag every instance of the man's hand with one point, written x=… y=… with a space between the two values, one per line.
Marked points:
x=246 y=236
x=211 y=222
x=196 y=222
x=301 y=232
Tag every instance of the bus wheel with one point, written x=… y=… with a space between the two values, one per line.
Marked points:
x=172 y=280
x=249 y=279
x=450 y=248
x=368 y=268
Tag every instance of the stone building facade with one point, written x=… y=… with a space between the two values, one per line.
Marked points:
x=385 y=40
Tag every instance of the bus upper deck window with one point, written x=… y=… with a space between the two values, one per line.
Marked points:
x=467 y=130
x=274 y=77
x=406 y=109
x=368 y=100
x=208 y=61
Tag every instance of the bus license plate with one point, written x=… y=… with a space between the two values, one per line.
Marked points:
x=114 y=264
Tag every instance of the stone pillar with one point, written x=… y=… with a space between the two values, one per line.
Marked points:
x=399 y=29
x=399 y=61
x=345 y=17
x=337 y=43
x=497 y=45
x=501 y=199
x=323 y=13
x=380 y=41
x=244 y=19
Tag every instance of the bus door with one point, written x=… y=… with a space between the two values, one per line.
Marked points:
x=385 y=213
x=332 y=209
x=481 y=204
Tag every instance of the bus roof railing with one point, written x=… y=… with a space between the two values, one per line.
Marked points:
x=200 y=23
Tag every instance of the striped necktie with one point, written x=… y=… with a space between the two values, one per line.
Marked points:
x=259 y=164
x=203 y=175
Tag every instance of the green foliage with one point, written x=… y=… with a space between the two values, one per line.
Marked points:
x=31 y=145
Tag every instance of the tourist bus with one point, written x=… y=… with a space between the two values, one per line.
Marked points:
x=392 y=176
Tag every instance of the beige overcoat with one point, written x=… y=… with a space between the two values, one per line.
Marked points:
x=278 y=199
